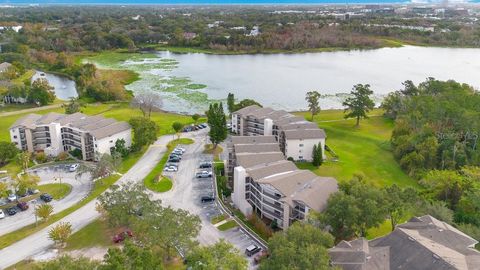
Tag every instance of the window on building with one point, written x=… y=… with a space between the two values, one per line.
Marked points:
x=16 y=143
x=15 y=136
x=111 y=141
x=301 y=145
x=300 y=157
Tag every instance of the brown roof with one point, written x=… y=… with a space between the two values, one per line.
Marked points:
x=247 y=109
x=257 y=148
x=247 y=160
x=266 y=169
x=297 y=134
x=253 y=139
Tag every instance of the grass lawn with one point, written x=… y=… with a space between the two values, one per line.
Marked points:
x=99 y=187
x=154 y=180
x=363 y=150
x=227 y=225
x=57 y=190
x=217 y=219
x=96 y=233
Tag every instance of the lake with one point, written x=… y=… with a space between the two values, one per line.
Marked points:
x=189 y=82
x=63 y=87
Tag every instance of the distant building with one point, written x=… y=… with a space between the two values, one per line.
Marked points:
x=54 y=133
x=266 y=184
x=421 y=243
x=189 y=35
x=295 y=135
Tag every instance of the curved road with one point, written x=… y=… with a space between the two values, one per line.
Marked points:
x=39 y=242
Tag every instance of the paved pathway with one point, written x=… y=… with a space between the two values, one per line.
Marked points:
x=31 y=110
x=39 y=242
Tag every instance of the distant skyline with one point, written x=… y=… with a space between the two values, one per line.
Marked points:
x=215 y=2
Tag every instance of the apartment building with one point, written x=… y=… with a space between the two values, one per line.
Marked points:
x=295 y=135
x=272 y=187
x=421 y=243
x=54 y=133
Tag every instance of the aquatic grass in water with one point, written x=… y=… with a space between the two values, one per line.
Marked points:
x=180 y=94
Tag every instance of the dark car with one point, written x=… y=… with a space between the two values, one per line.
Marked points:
x=22 y=205
x=120 y=237
x=46 y=197
x=11 y=211
x=206 y=199
x=173 y=160
x=172 y=155
x=205 y=165
x=252 y=250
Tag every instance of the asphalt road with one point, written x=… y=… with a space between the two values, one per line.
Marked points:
x=187 y=192
x=39 y=242
x=80 y=188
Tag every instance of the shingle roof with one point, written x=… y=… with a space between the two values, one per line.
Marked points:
x=247 y=160
x=99 y=126
x=257 y=148
x=266 y=169
x=297 y=134
x=253 y=139
x=247 y=109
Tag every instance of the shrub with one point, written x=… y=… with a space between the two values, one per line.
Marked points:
x=260 y=226
x=62 y=156
x=77 y=153
x=41 y=157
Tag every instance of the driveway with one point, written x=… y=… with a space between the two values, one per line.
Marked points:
x=38 y=242
x=80 y=189
x=187 y=192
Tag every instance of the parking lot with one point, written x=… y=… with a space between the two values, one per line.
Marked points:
x=81 y=186
x=188 y=190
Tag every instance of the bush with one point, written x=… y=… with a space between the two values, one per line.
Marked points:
x=77 y=153
x=41 y=157
x=260 y=226
x=62 y=156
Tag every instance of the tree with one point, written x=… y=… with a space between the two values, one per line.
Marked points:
x=120 y=148
x=221 y=255
x=357 y=207
x=131 y=257
x=312 y=98
x=144 y=132
x=60 y=233
x=8 y=151
x=73 y=106
x=43 y=211
x=231 y=103
x=245 y=103
x=398 y=202
x=317 y=155
x=446 y=185
x=3 y=189
x=41 y=92
x=438 y=210
x=22 y=182
x=147 y=102
x=218 y=124
x=23 y=160
x=106 y=165
x=195 y=118
x=301 y=246
x=359 y=103
x=177 y=126
x=68 y=263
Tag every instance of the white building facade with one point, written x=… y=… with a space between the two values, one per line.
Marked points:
x=54 y=133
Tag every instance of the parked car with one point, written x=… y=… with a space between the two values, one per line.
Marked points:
x=170 y=169
x=73 y=167
x=204 y=125
x=32 y=191
x=11 y=211
x=120 y=237
x=204 y=174
x=46 y=197
x=173 y=160
x=2 y=214
x=252 y=250
x=22 y=205
x=12 y=197
x=206 y=199
x=205 y=165
x=175 y=156
x=177 y=152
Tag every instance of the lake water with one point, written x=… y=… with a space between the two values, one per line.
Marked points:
x=281 y=80
x=64 y=88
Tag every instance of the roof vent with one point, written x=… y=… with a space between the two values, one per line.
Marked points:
x=436 y=256
x=411 y=239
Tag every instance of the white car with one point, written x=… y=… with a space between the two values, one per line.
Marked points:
x=12 y=197
x=73 y=167
x=2 y=214
x=170 y=169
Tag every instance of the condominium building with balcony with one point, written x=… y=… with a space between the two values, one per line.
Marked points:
x=266 y=184
x=54 y=133
x=295 y=135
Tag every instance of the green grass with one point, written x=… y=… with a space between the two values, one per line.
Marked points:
x=213 y=151
x=57 y=190
x=227 y=225
x=363 y=150
x=154 y=180
x=96 y=233
x=99 y=187
x=217 y=219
